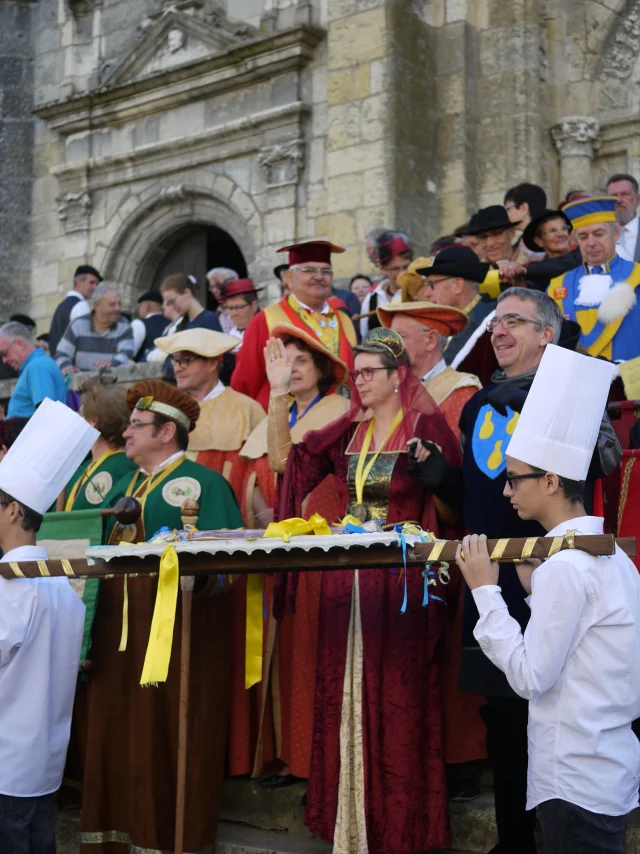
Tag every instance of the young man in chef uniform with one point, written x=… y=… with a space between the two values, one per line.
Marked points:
x=578 y=662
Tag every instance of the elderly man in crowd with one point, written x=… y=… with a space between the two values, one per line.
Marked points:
x=496 y=234
x=601 y=295
x=85 y=280
x=101 y=339
x=38 y=374
x=425 y=329
x=625 y=188
x=217 y=278
x=309 y=306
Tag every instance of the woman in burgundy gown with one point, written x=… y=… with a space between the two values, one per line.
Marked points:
x=377 y=778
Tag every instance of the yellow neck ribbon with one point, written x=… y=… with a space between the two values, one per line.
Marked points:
x=85 y=477
x=362 y=471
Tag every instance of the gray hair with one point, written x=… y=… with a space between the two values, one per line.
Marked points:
x=442 y=342
x=100 y=291
x=13 y=330
x=546 y=310
x=224 y=273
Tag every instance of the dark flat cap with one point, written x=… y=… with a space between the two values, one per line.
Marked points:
x=86 y=270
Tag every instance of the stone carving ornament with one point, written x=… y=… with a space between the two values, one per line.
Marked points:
x=620 y=56
x=576 y=136
x=74 y=210
x=282 y=162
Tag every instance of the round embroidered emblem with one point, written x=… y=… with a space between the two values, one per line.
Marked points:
x=98 y=487
x=176 y=491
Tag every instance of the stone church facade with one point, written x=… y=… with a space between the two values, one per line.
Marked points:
x=150 y=136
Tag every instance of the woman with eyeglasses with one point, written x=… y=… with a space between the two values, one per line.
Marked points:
x=377 y=776
x=303 y=376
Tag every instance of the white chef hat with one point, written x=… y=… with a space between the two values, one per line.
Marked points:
x=42 y=460
x=560 y=421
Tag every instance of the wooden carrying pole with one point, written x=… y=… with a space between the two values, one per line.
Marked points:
x=189 y=514
x=297 y=559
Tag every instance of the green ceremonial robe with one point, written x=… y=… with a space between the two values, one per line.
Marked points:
x=95 y=489
x=132 y=745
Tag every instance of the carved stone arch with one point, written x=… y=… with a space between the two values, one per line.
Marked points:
x=618 y=69
x=134 y=242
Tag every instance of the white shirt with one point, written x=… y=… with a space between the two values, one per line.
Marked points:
x=81 y=308
x=164 y=463
x=435 y=370
x=579 y=666
x=626 y=243
x=139 y=334
x=41 y=627
x=383 y=299
x=216 y=391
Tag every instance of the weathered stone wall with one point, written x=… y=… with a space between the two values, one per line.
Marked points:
x=16 y=154
x=297 y=119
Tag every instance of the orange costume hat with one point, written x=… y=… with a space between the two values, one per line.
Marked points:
x=444 y=319
x=288 y=330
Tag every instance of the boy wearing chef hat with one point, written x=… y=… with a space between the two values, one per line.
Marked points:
x=41 y=627
x=578 y=662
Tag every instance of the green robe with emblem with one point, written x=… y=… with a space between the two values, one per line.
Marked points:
x=95 y=489
x=132 y=745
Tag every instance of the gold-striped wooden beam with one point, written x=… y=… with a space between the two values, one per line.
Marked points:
x=300 y=560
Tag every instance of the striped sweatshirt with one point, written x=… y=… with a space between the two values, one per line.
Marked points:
x=82 y=345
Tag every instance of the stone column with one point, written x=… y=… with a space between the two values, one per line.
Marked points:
x=577 y=140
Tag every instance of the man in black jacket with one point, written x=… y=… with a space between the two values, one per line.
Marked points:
x=85 y=280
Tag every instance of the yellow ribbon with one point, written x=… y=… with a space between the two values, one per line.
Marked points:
x=85 y=477
x=362 y=471
x=254 y=629
x=156 y=662
x=297 y=527
x=284 y=530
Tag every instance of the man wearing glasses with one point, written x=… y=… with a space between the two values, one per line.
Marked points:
x=130 y=791
x=309 y=306
x=525 y=321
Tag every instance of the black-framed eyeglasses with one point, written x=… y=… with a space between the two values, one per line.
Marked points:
x=510 y=321
x=184 y=363
x=367 y=374
x=514 y=477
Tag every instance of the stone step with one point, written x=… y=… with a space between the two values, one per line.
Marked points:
x=271 y=822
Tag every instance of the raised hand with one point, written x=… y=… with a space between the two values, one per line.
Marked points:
x=278 y=366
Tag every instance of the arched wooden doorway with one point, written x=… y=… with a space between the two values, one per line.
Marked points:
x=194 y=249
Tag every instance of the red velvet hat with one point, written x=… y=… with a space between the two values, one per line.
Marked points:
x=238 y=286
x=319 y=251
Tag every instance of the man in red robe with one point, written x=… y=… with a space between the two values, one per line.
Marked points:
x=309 y=306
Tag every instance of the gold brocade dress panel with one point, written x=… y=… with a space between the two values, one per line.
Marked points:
x=377 y=488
